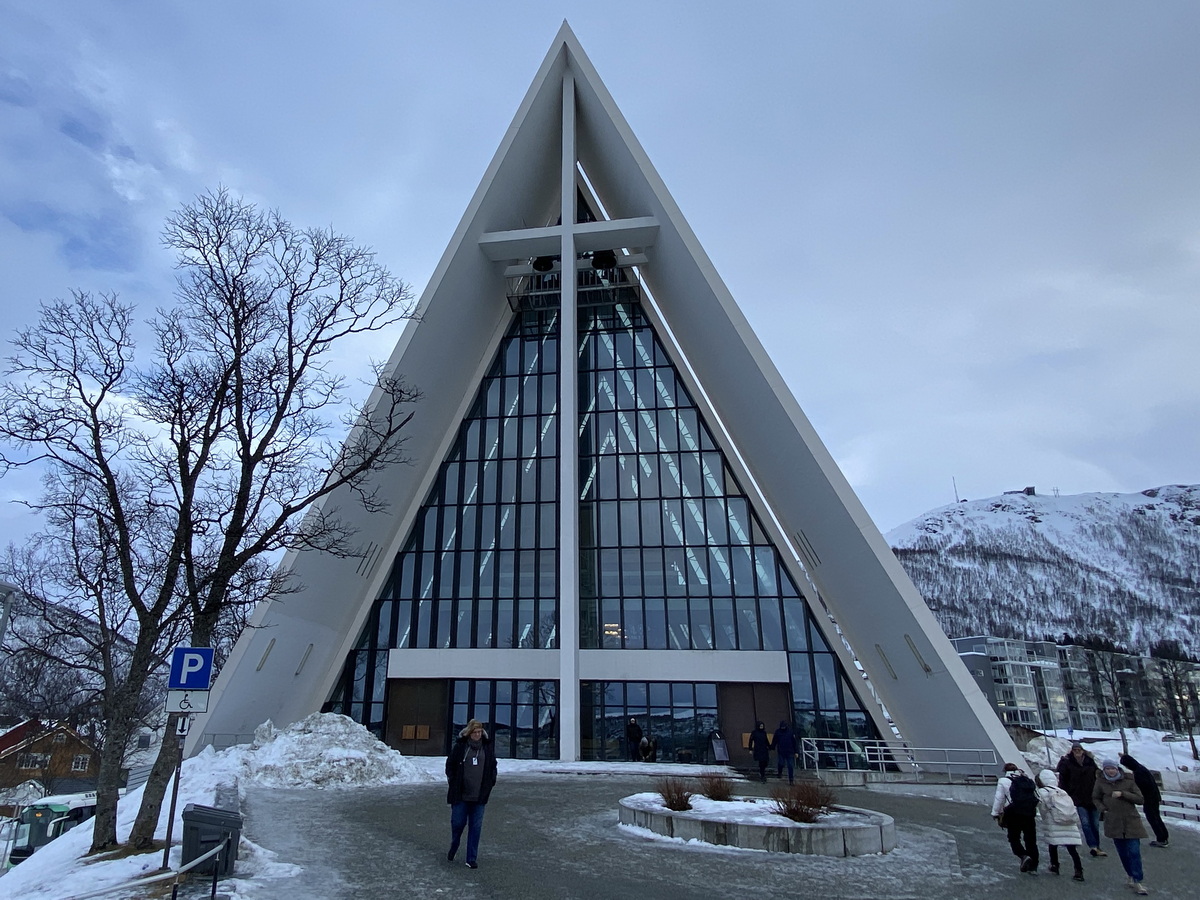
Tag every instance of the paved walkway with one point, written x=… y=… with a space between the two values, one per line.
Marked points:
x=557 y=837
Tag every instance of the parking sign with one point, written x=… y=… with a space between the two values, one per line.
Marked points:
x=191 y=669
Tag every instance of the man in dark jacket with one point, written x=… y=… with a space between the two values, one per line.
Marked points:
x=760 y=748
x=1151 y=798
x=784 y=743
x=471 y=775
x=1077 y=773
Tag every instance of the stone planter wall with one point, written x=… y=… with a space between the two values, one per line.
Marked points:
x=876 y=834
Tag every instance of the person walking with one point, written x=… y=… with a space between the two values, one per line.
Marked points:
x=1151 y=798
x=1077 y=774
x=1058 y=822
x=471 y=775
x=784 y=743
x=1015 y=809
x=760 y=748
x=1117 y=794
x=633 y=740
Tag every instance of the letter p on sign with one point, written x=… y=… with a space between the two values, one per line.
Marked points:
x=191 y=669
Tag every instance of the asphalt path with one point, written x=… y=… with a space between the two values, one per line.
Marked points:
x=558 y=837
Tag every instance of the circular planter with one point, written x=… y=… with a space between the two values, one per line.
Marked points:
x=853 y=832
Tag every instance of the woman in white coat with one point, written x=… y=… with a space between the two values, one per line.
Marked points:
x=1059 y=823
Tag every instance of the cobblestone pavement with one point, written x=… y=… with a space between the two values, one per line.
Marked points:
x=557 y=837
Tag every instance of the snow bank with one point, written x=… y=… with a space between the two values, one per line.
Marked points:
x=324 y=750
x=321 y=751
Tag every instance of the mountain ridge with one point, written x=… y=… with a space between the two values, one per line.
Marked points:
x=1023 y=565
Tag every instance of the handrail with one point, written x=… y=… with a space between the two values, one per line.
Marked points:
x=868 y=755
x=154 y=879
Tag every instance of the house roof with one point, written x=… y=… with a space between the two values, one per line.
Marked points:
x=24 y=734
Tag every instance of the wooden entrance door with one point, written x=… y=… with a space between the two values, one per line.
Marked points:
x=416 y=716
x=740 y=706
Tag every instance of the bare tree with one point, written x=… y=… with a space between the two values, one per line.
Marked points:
x=1177 y=670
x=1110 y=669
x=172 y=486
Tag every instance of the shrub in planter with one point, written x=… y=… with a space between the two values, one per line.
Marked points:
x=716 y=785
x=675 y=793
x=803 y=801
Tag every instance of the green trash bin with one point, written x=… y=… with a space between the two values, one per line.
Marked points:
x=204 y=827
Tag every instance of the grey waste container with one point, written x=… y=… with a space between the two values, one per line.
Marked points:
x=203 y=828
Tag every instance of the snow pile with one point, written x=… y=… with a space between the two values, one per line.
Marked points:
x=324 y=750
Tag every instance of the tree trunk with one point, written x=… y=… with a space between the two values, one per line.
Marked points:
x=142 y=835
x=104 y=827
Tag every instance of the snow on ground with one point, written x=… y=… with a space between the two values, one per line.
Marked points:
x=327 y=751
x=1173 y=759
x=743 y=811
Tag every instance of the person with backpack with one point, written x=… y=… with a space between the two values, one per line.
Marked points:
x=1015 y=809
x=1058 y=821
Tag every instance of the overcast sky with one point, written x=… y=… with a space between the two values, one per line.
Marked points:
x=968 y=233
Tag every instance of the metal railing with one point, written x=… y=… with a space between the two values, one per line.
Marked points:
x=896 y=756
x=165 y=876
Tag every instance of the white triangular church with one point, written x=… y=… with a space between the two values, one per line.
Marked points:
x=621 y=533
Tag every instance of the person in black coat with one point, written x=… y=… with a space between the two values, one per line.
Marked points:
x=633 y=740
x=470 y=776
x=784 y=743
x=760 y=748
x=1077 y=772
x=1152 y=798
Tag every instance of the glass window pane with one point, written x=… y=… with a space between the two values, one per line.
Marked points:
x=651 y=521
x=656 y=623
x=747 y=616
x=802 y=683
x=700 y=612
x=826 y=670
x=725 y=631
x=635 y=631
x=772 y=630
x=793 y=617
x=660 y=693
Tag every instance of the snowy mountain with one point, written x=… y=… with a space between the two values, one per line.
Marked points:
x=1123 y=566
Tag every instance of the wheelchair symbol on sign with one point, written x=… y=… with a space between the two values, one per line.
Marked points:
x=185 y=703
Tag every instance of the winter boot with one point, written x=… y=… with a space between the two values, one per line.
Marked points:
x=1053 y=868
x=1078 y=876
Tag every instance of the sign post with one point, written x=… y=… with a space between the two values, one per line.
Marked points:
x=187 y=693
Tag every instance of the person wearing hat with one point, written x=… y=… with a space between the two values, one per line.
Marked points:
x=1058 y=823
x=760 y=749
x=1077 y=774
x=1117 y=794
x=471 y=775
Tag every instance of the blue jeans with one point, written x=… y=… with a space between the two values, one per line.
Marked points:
x=1130 y=851
x=1089 y=823
x=463 y=815
x=790 y=761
